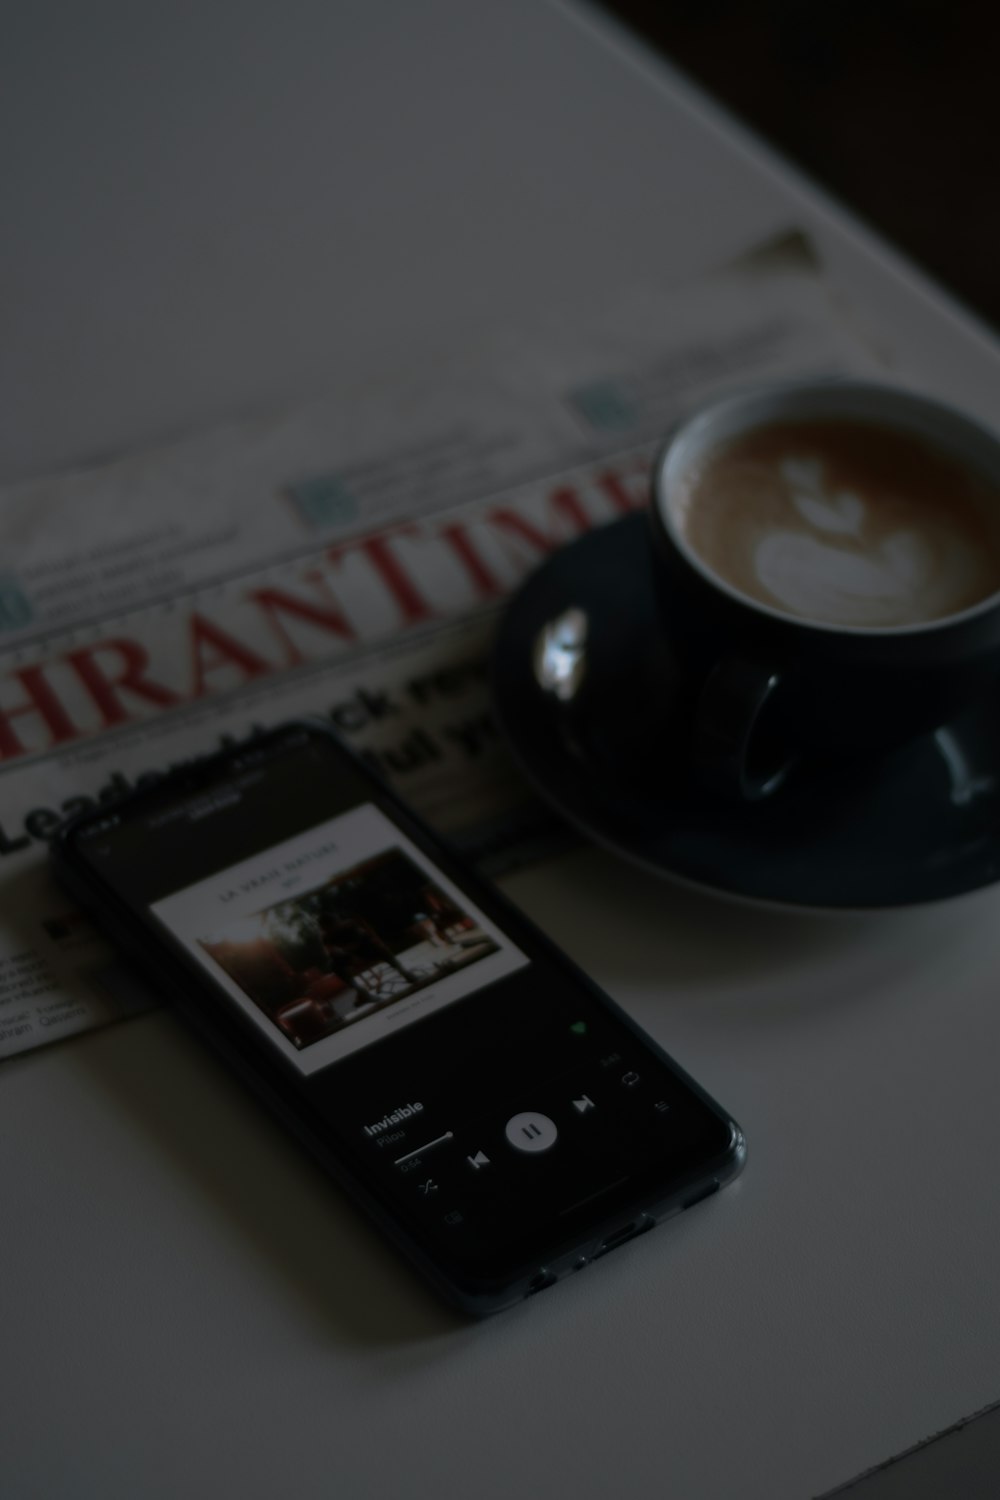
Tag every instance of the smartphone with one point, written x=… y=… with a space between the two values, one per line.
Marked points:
x=497 y=1115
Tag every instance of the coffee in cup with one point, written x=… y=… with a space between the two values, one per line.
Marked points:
x=827 y=565
x=844 y=522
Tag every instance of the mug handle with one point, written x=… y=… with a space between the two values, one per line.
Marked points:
x=733 y=749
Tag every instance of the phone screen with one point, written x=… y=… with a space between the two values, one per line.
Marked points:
x=338 y=936
x=467 y=1072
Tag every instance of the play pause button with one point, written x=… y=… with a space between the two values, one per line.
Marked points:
x=531 y=1132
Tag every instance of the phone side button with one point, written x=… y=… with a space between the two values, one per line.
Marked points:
x=700 y=1194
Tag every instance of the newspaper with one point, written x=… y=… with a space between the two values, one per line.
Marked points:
x=348 y=560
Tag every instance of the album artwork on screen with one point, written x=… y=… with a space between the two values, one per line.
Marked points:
x=338 y=937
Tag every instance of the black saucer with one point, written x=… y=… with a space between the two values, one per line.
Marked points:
x=918 y=825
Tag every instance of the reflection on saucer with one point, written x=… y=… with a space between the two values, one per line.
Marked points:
x=560 y=655
x=921 y=824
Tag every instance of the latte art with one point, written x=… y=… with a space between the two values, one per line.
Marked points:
x=845 y=523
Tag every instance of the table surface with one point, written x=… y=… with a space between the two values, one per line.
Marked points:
x=213 y=210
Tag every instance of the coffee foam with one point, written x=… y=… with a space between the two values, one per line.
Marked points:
x=844 y=523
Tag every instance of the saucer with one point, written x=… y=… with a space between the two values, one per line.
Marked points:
x=920 y=824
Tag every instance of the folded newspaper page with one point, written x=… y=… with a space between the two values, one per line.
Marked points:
x=348 y=560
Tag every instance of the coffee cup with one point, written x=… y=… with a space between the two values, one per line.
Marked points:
x=826 y=563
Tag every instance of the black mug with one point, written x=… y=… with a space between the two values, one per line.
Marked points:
x=773 y=686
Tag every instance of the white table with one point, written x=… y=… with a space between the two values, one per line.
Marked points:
x=213 y=210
